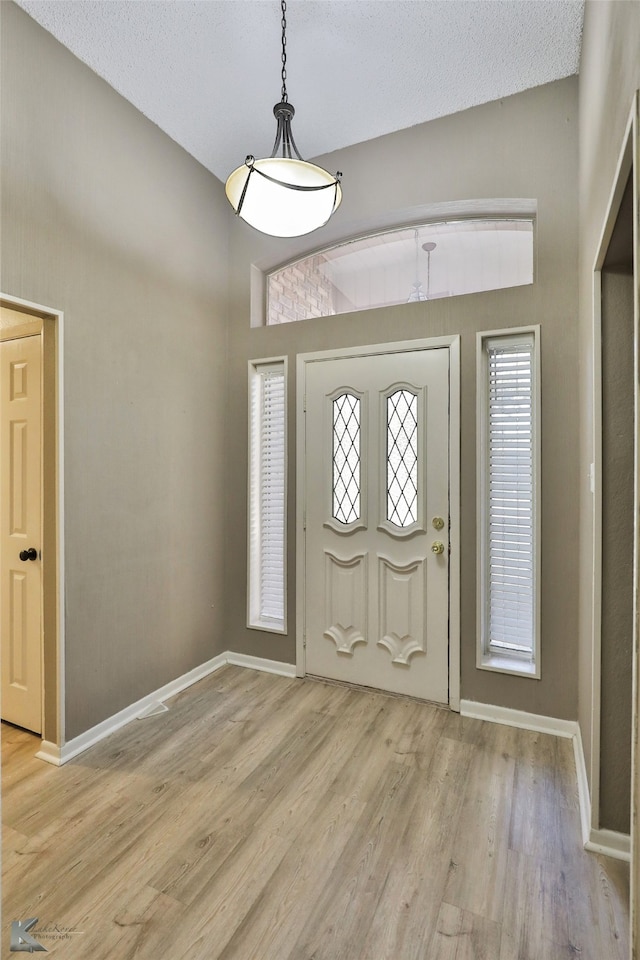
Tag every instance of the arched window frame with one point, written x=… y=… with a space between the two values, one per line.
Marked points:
x=423 y=218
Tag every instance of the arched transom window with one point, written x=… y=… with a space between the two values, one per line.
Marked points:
x=423 y=262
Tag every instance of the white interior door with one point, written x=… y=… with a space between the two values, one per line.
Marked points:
x=20 y=531
x=377 y=521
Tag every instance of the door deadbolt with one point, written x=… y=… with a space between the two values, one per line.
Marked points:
x=437 y=547
x=438 y=523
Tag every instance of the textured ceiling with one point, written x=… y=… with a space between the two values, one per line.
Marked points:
x=208 y=73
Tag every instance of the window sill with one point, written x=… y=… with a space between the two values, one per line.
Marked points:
x=268 y=626
x=519 y=668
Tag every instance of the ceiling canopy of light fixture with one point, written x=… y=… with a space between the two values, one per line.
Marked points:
x=283 y=195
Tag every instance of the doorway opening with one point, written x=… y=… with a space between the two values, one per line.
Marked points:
x=22 y=321
x=378 y=575
x=615 y=690
x=617 y=490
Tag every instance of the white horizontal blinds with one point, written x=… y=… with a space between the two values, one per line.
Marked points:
x=510 y=486
x=268 y=494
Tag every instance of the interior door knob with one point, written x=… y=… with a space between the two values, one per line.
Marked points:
x=30 y=554
x=437 y=547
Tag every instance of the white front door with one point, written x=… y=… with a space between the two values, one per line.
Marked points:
x=377 y=521
x=20 y=531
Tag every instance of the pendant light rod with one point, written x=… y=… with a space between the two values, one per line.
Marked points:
x=417 y=294
x=283 y=112
x=283 y=92
x=428 y=248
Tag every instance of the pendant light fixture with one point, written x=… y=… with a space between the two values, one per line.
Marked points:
x=283 y=195
x=417 y=294
x=428 y=248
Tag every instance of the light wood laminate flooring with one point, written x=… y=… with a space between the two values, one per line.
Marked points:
x=265 y=818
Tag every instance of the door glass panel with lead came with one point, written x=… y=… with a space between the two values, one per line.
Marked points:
x=346 y=458
x=402 y=458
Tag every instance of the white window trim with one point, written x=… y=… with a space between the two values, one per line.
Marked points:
x=488 y=660
x=254 y=621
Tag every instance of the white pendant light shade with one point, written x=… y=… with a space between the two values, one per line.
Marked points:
x=282 y=196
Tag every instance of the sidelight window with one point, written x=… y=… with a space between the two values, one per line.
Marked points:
x=267 y=496
x=508 y=405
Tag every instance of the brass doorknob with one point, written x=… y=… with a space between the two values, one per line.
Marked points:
x=437 y=547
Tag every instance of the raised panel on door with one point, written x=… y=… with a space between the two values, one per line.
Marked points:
x=402 y=600
x=20 y=531
x=376 y=596
x=346 y=601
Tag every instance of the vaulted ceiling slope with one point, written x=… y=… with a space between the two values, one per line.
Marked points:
x=208 y=73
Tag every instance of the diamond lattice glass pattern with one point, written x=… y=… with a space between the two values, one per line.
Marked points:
x=402 y=458
x=346 y=458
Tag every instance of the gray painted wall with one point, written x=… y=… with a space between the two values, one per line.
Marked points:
x=523 y=146
x=107 y=219
x=609 y=77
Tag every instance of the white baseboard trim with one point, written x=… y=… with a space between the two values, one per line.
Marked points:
x=149 y=705
x=584 y=797
x=610 y=843
x=519 y=718
x=260 y=663
x=607 y=842
x=50 y=752
x=101 y=730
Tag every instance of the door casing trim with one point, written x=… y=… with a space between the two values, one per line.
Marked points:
x=452 y=344
x=627 y=162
